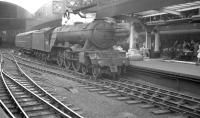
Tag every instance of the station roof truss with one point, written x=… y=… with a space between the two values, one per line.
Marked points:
x=187 y=12
x=79 y=5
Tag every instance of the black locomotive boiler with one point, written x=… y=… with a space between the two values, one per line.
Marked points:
x=85 y=48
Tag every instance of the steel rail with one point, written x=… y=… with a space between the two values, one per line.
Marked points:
x=160 y=90
x=59 y=104
x=122 y=80
x=136 y=94
x=155 y=95
x=10 y=93
x=56 y=102
x=37 y=97
x=139 y=95
x=5 y=108
x=58 y=111
x=15 y=100
x=149 y=88
x=179 y=102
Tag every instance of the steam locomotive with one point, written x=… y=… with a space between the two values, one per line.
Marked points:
x=85 y=48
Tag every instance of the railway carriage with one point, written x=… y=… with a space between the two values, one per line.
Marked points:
x=24 y=41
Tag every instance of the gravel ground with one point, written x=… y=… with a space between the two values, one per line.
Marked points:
x=92 y=104
x=3 y=114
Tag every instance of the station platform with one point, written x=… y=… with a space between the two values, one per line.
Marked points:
x=188 y=69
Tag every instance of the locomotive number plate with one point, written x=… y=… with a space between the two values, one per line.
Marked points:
x=113 y=68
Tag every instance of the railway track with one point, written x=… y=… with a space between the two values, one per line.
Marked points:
x=6 y=110
x=133 y=92
x=24 y=98
x=8 y=103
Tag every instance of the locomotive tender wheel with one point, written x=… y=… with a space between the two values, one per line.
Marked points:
x=115 y=75
x=119 y=72
x=59 y=61
x=84 y=69
x=123 y=70
x=44 y=58
x=76 y=66
x=96 y=72
x=67 y=64
x=40 y=56
x=36 y=54
x=60 y=58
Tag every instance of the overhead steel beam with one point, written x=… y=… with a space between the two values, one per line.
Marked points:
x=43 y=22
x=171 y=12
x=85 y=7
x=134 y=6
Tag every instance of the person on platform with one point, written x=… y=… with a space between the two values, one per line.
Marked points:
x=175 y=44
x=0 y=40
x=198 y=56
x=184 y=45
x=192 y=45
x=196 y=47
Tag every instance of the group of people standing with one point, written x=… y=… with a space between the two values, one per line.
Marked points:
x=186 y=50
x=198 y=56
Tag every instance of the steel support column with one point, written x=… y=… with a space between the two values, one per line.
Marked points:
x=157 y=42
x=133 y=52
x=148 y=39
x=133 y=36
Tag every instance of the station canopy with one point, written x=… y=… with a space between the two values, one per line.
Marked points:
x=174 y=9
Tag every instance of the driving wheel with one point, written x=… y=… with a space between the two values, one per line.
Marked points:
x=59 y=61
x=84 y=69
x=44 y=58
x=96 y=72
x=115 y=75
x=67 y=64
x=76 y=66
